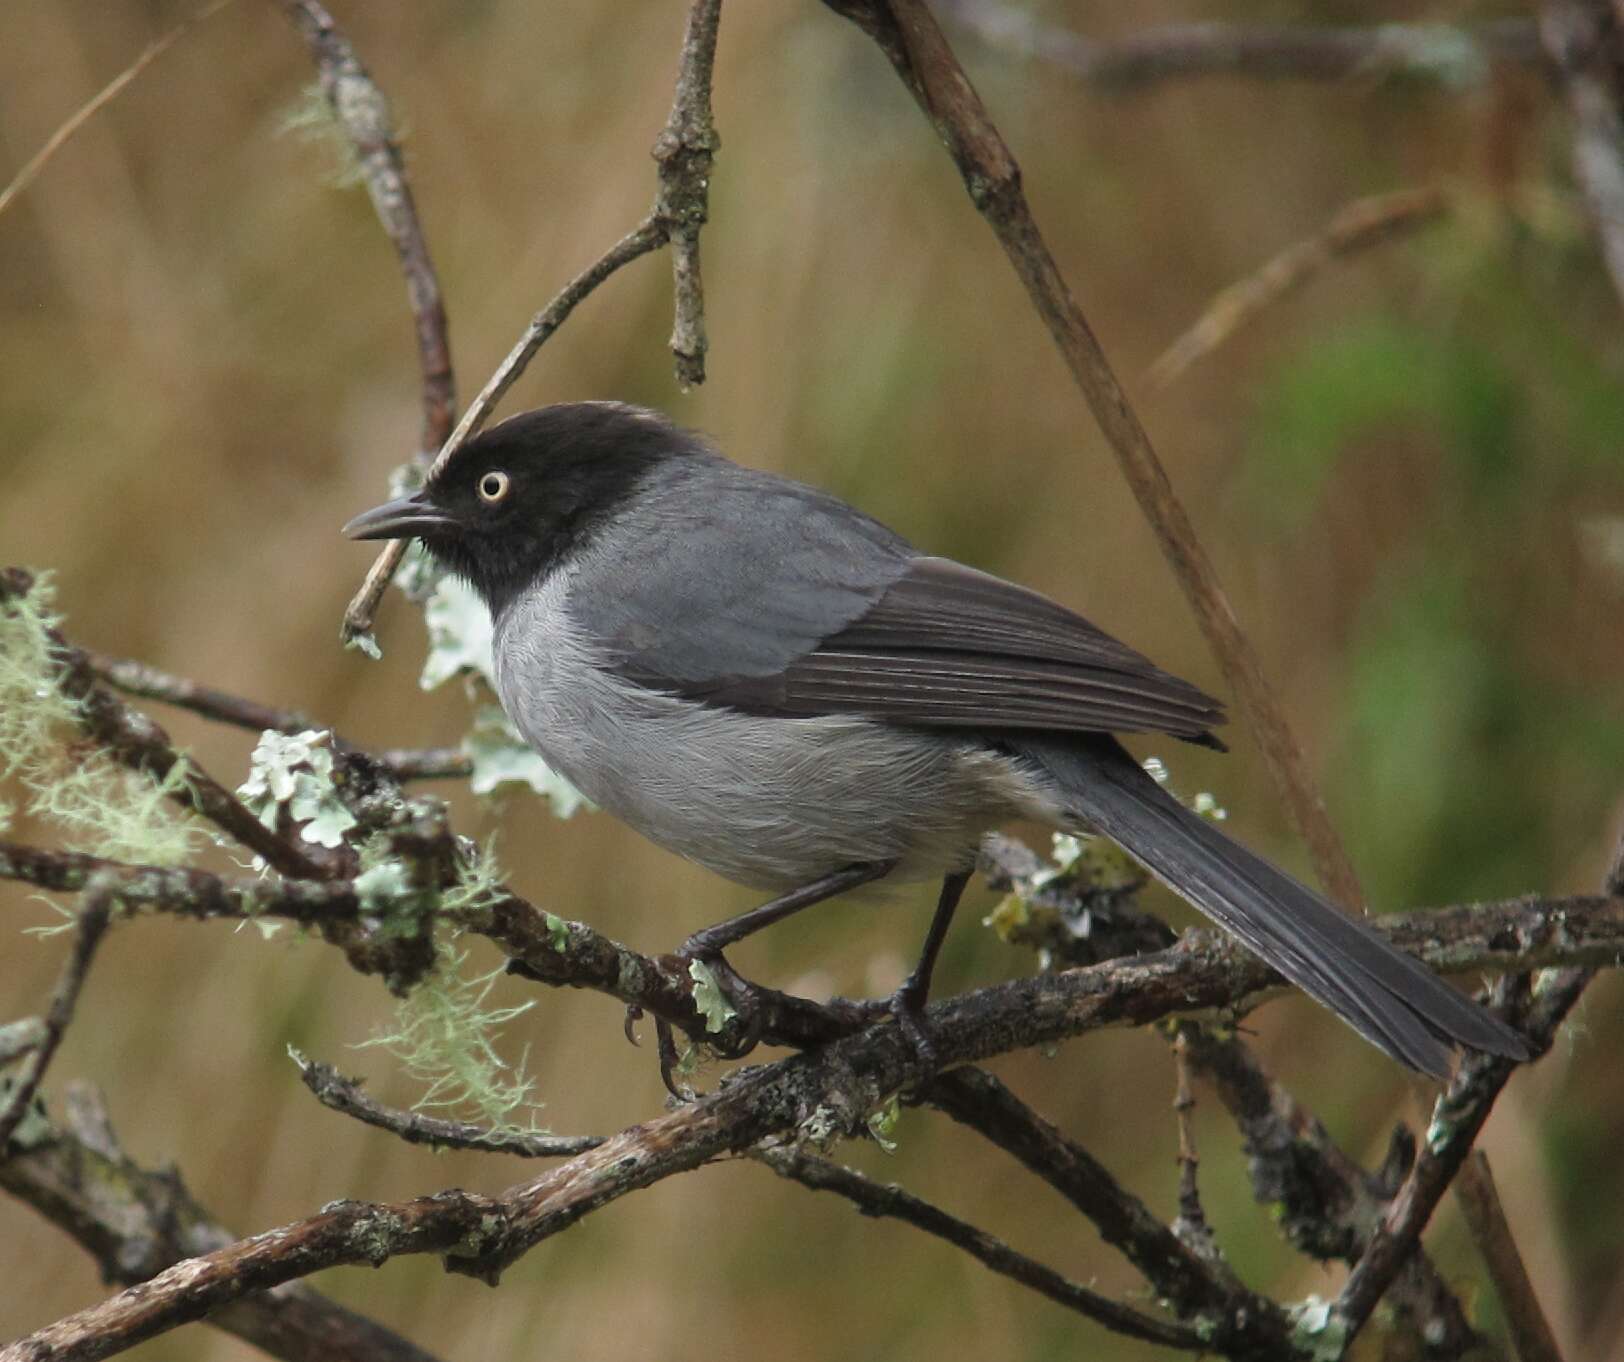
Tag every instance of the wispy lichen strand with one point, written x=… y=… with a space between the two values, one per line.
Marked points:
x=102 y=807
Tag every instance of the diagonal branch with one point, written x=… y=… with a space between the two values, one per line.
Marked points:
x=99 y=101
x=1194 y=1285
x=94 y=915
x=908 y=35
x=683 y=156
x=876 y=1199
x=1356 y=227
x=1584 y=40
x=1455 y=56
x=363 y=113
x=343 y=1095
x=135 y=1222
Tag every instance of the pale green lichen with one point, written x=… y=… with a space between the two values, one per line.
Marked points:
x=311 y=119
x=102 y=806
x=295 y=770
x=500 y=756
x=882 y=1124
x=709 y=998
x=1318 y=1332
x=445 y=1036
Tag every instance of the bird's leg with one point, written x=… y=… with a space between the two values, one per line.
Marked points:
x=707 y=945
x=907 y=1004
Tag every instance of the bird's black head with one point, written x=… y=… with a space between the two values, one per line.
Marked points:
x=515 y=501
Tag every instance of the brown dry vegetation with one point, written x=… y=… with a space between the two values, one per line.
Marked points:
x=207 y=368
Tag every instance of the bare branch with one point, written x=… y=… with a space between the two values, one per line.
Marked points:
x=1325 y=1204
x=363 y=113
x=344 y=1095
x=1454 y=56
x=1357 y=226
x=99 y=101
x=94 y=915
x=1584 y=40
x=680 y=203
x=1195 y=1286
x=1530 y=1331
x=152 y=683
x=876 y=1199
x=684 y=152
x=135 y=1222
x=1457 y=1118
x=909 y=36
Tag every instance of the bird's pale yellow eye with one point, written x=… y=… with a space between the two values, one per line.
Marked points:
x=493 y=486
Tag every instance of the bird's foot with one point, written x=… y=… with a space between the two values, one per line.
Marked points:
x=907 y=1005
x=720 y=996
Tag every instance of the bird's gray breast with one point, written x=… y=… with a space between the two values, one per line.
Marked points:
x=767 y=801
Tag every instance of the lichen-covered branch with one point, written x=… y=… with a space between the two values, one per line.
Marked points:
x=136 y=1221
x=344 y=1095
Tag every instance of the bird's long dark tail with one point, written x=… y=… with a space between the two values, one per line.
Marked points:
x=1389 y=997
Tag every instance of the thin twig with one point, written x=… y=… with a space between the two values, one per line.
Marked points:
x=1191 y=1224
x=1195 y=1286
x=94 y=914
x=647 y=236
x=680 y=203
x=1457 y=1117
x=877 y=1199
x=1531 y=1336
x=1456 y=56
x=1584 y=40
x=136 y=1221
x=152 y=683
x=103 y=97
x=1323 y=1202
x=1357 y=226
x=344 y=1095
x=908 y=35
x=363 y=113
x=684 y=152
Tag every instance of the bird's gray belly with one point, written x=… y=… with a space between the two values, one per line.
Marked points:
x=769 y=802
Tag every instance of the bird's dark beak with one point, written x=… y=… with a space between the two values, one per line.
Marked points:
x=403 y=518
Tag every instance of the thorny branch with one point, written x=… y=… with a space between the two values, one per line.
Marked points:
x=135 y=1222
x=683 y=155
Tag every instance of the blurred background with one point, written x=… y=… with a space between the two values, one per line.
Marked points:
x=1409 y=476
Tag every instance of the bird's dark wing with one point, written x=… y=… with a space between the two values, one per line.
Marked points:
x=740 y=589
x=715 y=573
x=946 y=646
